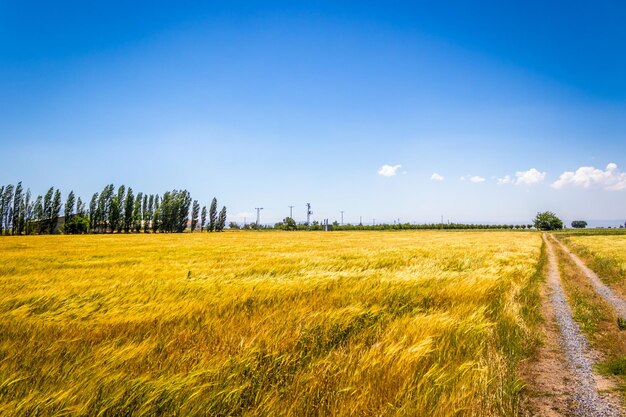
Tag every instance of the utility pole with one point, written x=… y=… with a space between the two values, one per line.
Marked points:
x=291 y=212
x=360 y=220
x=342 y=217
x=258 y=216
x=308 y=216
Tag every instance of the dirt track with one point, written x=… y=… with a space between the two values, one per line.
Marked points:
x=608 y=294
x=564 y=378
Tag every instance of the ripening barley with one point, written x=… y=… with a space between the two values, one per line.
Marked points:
x=277 y=323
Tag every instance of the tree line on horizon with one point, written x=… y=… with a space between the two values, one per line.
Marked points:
x=290 y=224
x=109 y=211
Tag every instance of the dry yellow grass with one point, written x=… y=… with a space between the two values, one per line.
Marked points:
x=277 y=323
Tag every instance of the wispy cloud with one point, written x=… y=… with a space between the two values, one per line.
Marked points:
x=389 y=170
x=589 y=177
x=436 y=177
x=476 y=179
x=505 y=180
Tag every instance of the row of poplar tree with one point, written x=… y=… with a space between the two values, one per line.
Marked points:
x=108 y=211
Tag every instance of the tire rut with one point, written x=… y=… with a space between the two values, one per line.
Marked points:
x=585 y=394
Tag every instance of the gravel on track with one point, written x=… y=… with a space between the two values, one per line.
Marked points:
x=589 y=402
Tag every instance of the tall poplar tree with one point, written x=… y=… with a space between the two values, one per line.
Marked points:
x=156 y=215
x=5 y=212
x=26 y=224
x=93 y=213
x=129 y=205
x=18 y=205
x=104 y=207
x=137 y=213
x=221 y=220
x=69 y=211
x=1 y=207
x=47 y=211
x=194 y=215
x=203 y=219
x=114 y=213
x=39 y=214
x=55 y=211
x=80 y=207
x=212 y=215
x=145 y=211
x=149 y=214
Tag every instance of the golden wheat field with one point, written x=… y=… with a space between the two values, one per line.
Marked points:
x=266 y=323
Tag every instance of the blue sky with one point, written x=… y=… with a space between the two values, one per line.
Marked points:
x=274 y=104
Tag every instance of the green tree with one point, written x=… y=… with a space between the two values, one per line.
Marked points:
x=93 y=212
x=579 y=224
x=144 y=212
x=212 y=215
x=104 y=207
x=56 y=210
x=38 y=214
x=27 y=214
x=69 y=211
x=547 y=221
x=1 y=207
x=18 y=205
x=6 y=208
x=129 y=205
x=121 y=195
x=203 y=219
x=47 y=211
x=289 y=224
x=156 y=215
x=114 y=213
x=78 y=222
x=195 y=212
x=148 y=210
x=80 y=207
x=221 y=220
x=138 y=212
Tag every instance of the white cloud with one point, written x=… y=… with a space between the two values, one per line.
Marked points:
x=505 y=180
x=477 y=179
x=530 y=177
x=389 y=170
x=589 y=177
x=436 y=177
